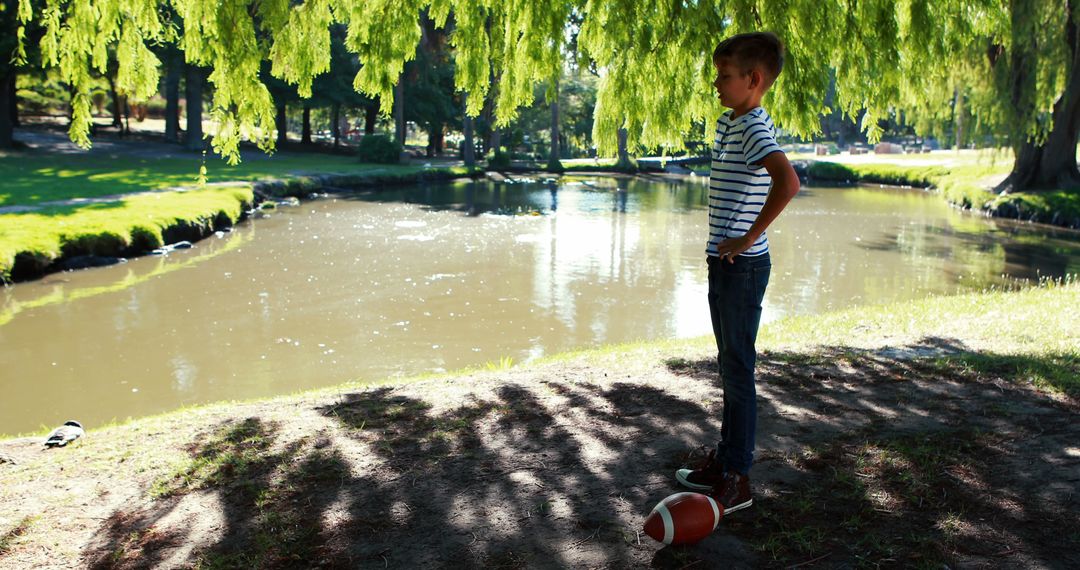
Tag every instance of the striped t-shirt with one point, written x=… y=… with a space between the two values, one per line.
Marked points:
x=739 y=183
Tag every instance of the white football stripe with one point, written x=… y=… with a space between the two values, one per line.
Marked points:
x=669 y=526
x=715 y=511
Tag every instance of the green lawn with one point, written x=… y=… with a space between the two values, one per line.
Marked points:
x=31 y=178
x=963 y=178
x=111 y=228
x=1030 y=332
x=134 y=221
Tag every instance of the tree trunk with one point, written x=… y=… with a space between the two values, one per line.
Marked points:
x=553 y=162
x=399 y=115
x=399 y=111
x=305 y=131
x=172 y=99
x=371 y=114
x=335 y=123
x=13 y=98
x=7 y=126
x=345 y=128
x=958 y=112
x=1051 y=165
x=468 y=148
x=126 y=128
x=496 y=140
x=492 y=138
x=624 y=154
x=438 y=138
x=193 y=91
x=116 y=103
x=281 y=123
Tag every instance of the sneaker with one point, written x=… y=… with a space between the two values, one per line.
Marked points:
x=704 y=478
x=733 y=492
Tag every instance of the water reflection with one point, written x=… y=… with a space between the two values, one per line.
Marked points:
x=439 y=277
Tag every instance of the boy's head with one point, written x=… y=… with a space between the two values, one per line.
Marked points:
x=761 y=51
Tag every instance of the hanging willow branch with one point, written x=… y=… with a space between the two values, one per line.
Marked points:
x=653 y=56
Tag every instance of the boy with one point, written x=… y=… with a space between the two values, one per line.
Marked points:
x=751 y=183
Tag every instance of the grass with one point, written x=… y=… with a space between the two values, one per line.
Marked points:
x=136 y=223
x=142 y=215
x=31 y=179
x=965 y=181
x=228 y=458
x=12 y=537
x=892 y=174
x=1049 y=371
x=873 y=499
x=982 y=319
x=1064 y=205
x=268 y=480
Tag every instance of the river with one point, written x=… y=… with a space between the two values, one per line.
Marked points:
x=439 y=277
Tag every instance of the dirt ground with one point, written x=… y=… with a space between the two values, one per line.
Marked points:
x=900 y=457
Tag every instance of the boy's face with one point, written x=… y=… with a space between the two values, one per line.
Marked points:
x=734 y=86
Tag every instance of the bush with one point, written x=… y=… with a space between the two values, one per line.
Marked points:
x=379 y=149
x=898 y=175
x=821 y=170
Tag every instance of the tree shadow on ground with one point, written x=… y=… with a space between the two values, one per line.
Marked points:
x=509 y=482
x=243 y=500
x=926 y=455
x=866 y=458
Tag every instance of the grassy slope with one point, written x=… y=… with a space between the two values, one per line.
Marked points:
x=1032 y=331
x=32 y=178
x=110 y=228
x=135 y=223
x=965 y=182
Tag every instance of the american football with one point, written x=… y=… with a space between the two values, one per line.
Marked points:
x=683 y=518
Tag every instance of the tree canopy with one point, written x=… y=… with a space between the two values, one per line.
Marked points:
x=652 y=56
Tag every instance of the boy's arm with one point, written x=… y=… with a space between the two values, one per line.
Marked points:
x=784 y=187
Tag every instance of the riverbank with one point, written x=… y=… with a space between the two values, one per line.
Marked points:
x=102 y=207
x=940 y=431
x=67 y=208
x=964 y=180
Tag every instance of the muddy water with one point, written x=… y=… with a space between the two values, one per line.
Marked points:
x=440 y=277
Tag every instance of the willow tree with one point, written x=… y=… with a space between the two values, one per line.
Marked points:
x=1014 y=64
x=1011 y=71
x=1041 y=77
x=1011 y=63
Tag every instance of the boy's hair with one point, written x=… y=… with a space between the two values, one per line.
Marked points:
x=754 y=49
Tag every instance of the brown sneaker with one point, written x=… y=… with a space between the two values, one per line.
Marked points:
x=706 y=476
x=733 y=492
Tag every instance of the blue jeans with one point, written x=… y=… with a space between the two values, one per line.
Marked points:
x=735 y=294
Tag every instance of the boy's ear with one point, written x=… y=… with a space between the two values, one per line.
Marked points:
x=756 y=78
